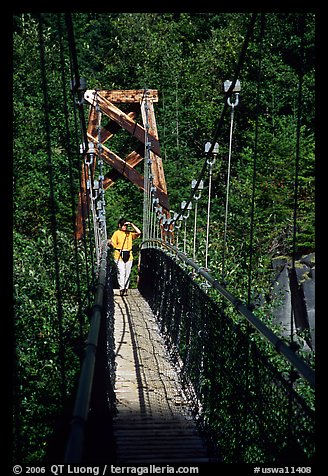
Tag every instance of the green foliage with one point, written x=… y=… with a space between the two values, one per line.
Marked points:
x=43 y=369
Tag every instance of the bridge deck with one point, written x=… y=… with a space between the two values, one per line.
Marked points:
x=153 y=423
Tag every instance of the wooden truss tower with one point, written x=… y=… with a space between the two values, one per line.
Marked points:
x=107 y=102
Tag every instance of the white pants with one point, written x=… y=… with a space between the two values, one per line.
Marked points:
x=123 y=273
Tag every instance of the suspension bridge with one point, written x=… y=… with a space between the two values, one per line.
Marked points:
x=167 y=375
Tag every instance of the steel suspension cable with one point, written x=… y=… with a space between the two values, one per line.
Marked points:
x=252 y=214
x=297 y=160
x=227 y=193
x=77 y=80
x=147 y=206
x=53 y=217
x=70 y=166
x=97 y=192
x=224 y=109
x=210 y=164
x=83 y=217
x=76 y=83
x=102 y=208
x=82 y=175
x=257 y=113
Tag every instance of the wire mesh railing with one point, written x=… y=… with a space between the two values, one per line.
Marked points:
x=246 y=407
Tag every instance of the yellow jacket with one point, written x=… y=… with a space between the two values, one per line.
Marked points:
x=122 y=240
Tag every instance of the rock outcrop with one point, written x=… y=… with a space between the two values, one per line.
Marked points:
x=294 y=288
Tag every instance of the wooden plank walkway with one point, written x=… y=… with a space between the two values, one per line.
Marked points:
x=153 y=423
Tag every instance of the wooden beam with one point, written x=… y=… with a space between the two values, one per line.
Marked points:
x=93 y=122
x=83 y=203
x=122 y=119
x=112 y=127
x=124 y=168
x=129 y=95
x=156 y=161
x=109 y=129
x=133 y=159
